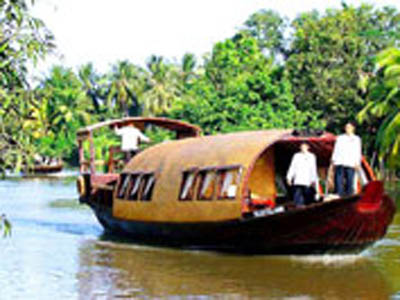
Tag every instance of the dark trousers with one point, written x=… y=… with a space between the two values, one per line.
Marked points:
x=344 y=180
x=129 y=154
x=303 y=194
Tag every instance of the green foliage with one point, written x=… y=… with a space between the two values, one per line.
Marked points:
x=158 y=135
x=163 y=87
x=23 y=39
x=268 y=28
x=319 y=70
x=241 y=90
x=330 y=52
x=126 y=84
x=187 y=72
x=5 y=226
x=61 y=108
x=384 y=104
x=103 y=140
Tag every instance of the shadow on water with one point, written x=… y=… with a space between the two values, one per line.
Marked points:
x=62 y=227
x=120 y=270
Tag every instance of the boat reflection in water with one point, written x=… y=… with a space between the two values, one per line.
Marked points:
x=109 y=269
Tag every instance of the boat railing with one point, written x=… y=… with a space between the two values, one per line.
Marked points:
x=113 y=163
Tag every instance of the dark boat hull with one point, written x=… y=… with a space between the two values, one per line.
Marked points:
x=340 y=226
x=46 y=169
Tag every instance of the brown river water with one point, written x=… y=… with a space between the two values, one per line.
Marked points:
x=58 y=251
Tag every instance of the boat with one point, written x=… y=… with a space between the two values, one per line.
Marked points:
x=227 y=193
x=47 y=168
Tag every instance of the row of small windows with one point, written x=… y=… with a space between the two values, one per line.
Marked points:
x=197 y=184
x=136 y=186
x=210 y=183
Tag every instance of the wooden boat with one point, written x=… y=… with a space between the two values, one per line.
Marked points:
x=46 y=168
x=226 y=193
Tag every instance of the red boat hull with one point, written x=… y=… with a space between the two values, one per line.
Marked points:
x=347 y=225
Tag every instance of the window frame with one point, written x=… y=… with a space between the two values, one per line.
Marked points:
x=200 y=181
x=121 y=181
x=190 y=195
x=199 y=175
x=220 y=180
x=143 y=185
x=139 y=176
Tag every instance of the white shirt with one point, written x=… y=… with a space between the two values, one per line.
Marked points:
x=347 y=151
x=131 y=137
x=303 y=169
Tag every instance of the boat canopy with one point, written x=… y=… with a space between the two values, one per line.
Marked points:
x=253 y=156
x=182 y=129
x=240 y=148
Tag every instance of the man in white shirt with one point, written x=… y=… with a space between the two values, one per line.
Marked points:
x=303 y=175
x=346 y=158
x=131 y=137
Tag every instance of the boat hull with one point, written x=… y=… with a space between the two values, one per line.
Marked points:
x=339 y=226
x=47 y=169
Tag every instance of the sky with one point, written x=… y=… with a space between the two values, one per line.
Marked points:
x=104 y=31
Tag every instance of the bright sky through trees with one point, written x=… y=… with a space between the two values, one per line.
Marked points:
x=104 y=31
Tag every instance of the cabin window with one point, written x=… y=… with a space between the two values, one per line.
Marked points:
x=206 y=187
x=123 y=185
x=188 y=184
x=228 y=182
x=134 y=188
x=147 y=187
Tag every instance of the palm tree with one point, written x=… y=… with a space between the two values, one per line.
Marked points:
x=91 y=82
x=162 y=86
x=188 y=68
x=127 y=84
x=58 y=107
x=385 y=104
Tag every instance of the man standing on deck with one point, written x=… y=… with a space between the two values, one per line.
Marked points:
x=303 y=175
x=346 y=158
x=131 y=137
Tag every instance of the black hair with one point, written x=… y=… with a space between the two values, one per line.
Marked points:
x=351 y=123
x=305 y=143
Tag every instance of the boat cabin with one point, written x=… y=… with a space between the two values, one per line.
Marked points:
x=202 y=178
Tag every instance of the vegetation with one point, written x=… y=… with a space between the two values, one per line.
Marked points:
x=5 y=226
x=328 y=55
x=318 y=70
x=23 y=40
x=241 y=89
x=384 y=105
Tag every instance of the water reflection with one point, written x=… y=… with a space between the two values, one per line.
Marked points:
x=57 y=252
x=120 y=270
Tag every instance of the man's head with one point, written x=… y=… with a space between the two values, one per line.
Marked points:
x=349 y=128
x=304 y=147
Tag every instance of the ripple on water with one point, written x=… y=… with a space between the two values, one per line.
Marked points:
x=58 y=251
x=331 y=260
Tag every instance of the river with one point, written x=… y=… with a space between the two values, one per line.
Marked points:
x=58 y=251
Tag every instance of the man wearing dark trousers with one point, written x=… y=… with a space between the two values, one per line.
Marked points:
x=346 y=158
x=302 y=175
